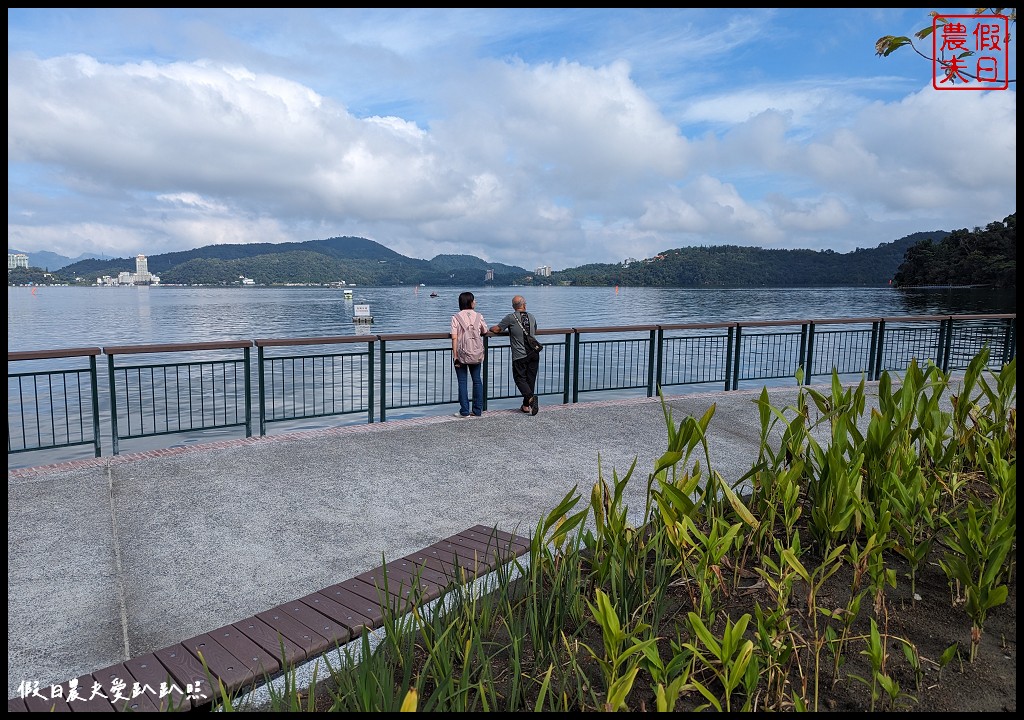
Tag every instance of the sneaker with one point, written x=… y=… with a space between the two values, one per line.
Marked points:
x=460 y=415
x=534 y=405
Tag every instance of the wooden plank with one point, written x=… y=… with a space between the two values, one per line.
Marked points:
x=35 y=703
x=274 y=642
x=80 y=697
x=369 y=609
x=336 y=634
x=134 y=697
x=396 y=603
x=400 y=583
x=491 y=546
x=262 y=663
x=431 y=564
x=476 y=559
x=402 y=568
x=508 y=538
x=490 y=550
x=190 y=676
x=16 y=704
x=312 y=643
x=231 y=670
x=354 y=621
x=150 y=673
x=462 y=567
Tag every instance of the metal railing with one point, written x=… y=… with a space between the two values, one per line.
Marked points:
x=56 y=407
x=210 y=388
x=177 y=397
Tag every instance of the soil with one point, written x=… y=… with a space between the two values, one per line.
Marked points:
x=932 y=623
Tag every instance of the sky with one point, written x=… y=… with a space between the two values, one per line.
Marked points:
x=531 y=137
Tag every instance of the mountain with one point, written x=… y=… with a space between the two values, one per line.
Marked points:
x=48 y=260
x=360 y=261
x=735 y=266
x=353 y=260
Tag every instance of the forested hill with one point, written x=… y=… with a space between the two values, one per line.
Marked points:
x=985 y=257
x=935 y=257
x=734 y=266
x=353 y=260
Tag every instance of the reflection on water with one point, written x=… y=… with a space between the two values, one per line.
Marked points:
x=958 y=301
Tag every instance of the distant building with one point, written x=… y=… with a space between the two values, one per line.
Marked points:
x=489 y=275
x=17 y=260
x=543 y=271
x=141 y=276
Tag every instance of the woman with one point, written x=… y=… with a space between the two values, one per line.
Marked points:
x=468 y=328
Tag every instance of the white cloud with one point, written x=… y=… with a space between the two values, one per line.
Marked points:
x=592 y=153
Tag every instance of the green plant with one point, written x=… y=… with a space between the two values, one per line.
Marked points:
x=978 y=544
x=879 y=681
x=732 y=660
x=623 y=651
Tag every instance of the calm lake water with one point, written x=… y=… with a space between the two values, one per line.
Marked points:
x=50 y=318
x=47 y=318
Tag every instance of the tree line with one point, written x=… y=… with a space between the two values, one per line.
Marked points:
x=980 y=257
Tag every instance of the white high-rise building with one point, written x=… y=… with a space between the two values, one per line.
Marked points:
x=141 y=266
x=17 y=260
x=543 y=271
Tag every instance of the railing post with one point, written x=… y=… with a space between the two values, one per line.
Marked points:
x=807 y=338
x=879 y=350
x=484 y=374
x=651 y=346
x=383 y=380
x=661 y=349
x=942 y=351
x=728 y=356
x=736 y=359
x=1009 y=341
x=871 y=350
x=113 y=405
x=94 y=379
x=248 y=391
x=576 y=367
x=369 y=361
x=565 y=367
x=949 y=345
x=261 y=383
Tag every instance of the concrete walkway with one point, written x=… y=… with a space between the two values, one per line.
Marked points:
x=109 y=558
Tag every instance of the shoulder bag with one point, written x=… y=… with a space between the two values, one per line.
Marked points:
x=533 y=345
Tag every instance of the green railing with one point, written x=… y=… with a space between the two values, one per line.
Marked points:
x=53 y=408
x=199 y=387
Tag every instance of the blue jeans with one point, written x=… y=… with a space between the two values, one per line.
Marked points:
x=463 y=372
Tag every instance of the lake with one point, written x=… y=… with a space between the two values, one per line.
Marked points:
x=46 y=318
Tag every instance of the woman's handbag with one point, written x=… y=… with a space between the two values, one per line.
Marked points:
x=533 y=345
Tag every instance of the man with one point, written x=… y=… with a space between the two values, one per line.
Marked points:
x=524 y=364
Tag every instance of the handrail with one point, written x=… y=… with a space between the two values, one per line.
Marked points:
x=330 y=340
x=211 y=392
x=176 y=347
x=52 y=354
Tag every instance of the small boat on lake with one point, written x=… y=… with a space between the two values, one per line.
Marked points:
x=433 y=294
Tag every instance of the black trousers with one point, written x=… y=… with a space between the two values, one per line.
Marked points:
x=524 y=374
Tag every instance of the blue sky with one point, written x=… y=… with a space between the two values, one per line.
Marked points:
x=525 y=136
